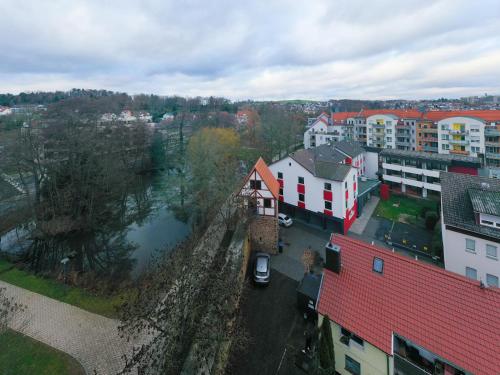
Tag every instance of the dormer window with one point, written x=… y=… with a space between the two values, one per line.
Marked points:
x=378 y=265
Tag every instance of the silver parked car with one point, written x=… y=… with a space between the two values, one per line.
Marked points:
x=285 y=220
x=262 y=269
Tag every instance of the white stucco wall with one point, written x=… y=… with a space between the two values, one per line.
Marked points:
x=371 y=164
x=456 y=257
x=263 y=193
x=314 y=187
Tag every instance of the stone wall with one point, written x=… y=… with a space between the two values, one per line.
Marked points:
x=264 y=234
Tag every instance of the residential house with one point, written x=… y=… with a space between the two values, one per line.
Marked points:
x=260 y=190
x=319 y=184
x=5 y=111
x=391 y=314
x=471 y=226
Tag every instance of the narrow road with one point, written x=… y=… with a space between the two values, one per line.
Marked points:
x=91 y=339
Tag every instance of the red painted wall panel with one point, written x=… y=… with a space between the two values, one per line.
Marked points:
x=281 y=198
x=464 y=170
x=301 y=204
x=327 y=195
x=301 y=188
x=281 y=183
x=384 y=192
x=328 y=212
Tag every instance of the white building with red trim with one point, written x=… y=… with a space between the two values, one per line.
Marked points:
x=321 y=184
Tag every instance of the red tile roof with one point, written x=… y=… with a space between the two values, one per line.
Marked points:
x=438 y=310
x=486 y=115
x=267 y=176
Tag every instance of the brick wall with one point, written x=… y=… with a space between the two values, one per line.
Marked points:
x=264 y=234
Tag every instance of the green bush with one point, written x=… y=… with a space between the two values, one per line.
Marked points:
x=431 y=218
x=423 y=211
x=326 y=350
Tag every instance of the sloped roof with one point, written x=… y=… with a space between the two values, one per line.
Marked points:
x=441 y=311
x=350 y=148
x=457 y=205
x=323 y=162
x=485 y=115
x=267 y=176
x=485 y=201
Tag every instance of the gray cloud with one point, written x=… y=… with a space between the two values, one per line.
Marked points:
x=261 y=49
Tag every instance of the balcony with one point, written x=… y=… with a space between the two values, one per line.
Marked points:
x=493 y=155
x=428 y=148
x=492 y=144
x=429 y=139
x=491 y=132
x=461 y=142
x=403 y=143
x=459 y=152
x=460 y=132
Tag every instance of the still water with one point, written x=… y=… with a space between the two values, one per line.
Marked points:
x=142 y=227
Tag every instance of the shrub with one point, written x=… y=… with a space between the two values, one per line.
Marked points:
x=326 y=350
x=423 y=211
x=431 y=218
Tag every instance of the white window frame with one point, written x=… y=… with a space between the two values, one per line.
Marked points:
x=473 y=250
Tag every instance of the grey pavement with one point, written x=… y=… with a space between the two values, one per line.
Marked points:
x=91 y=339
x=361 y=222
x=297 y=239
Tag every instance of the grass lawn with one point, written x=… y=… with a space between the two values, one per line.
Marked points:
x=398 y=205
x=22 y=355
x=103 y=305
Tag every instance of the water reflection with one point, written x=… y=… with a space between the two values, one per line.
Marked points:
x=118 y=249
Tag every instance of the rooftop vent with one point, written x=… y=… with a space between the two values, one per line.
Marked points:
x=332 y=262
x=485 y=185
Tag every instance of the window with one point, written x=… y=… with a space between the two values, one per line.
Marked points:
x=378 y=265
x=267 y=203
x=280 y=175
x=471 y=273
x=345 y=185
x=328 y=205
x=328 y=186
x=491 y=251
x=475 y=149
x=255 y=184
x=301 y=198
x=301 y=180
x=281 y=191
x=353 y=178
x=491 y=280
x=352 y=366
x=445 y=146
x=358 y=340
x=470 y=245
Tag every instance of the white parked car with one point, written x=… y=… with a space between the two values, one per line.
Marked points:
x=285 y=220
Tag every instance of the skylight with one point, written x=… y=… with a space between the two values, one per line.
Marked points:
x=378 y=265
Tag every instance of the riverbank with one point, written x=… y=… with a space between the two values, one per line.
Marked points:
x=86 y=300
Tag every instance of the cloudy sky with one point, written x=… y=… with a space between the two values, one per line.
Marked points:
x=259 y=49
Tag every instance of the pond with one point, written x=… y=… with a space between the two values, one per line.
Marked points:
x=143 y=225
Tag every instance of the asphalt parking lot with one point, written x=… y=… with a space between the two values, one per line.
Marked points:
x=298 y=238
x=274 y=327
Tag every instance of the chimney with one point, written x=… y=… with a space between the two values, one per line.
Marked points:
x=332 y=262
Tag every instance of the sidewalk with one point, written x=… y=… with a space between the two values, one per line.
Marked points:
x=359 y=225
x=91 y=339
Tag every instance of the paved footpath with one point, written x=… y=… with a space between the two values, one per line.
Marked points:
x=91 y=339
x=361 y=222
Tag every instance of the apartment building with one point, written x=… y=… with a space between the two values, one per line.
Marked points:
x=426 y=136
x=467 y=132
x=471 y=226
x=415 y=172
x=319 y=184
x=391 y=314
